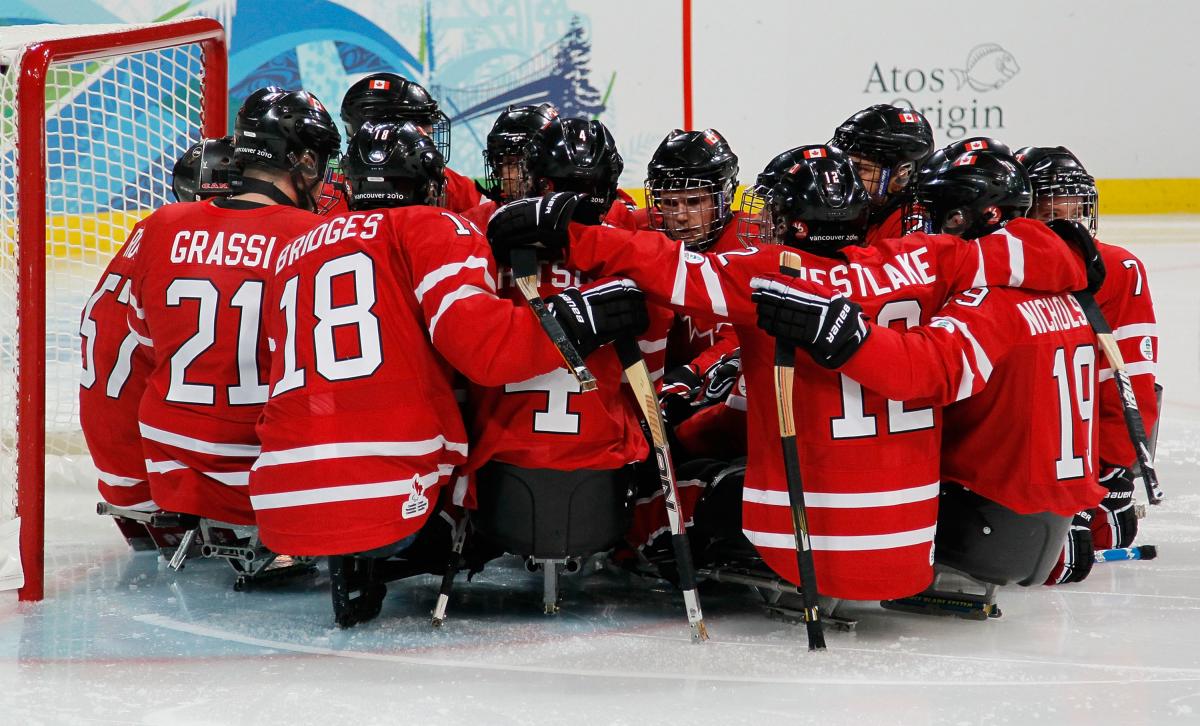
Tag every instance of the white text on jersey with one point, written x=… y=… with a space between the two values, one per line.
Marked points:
x=199 y=247
x=328 y=233
x=1050 y=314
x=854 y=280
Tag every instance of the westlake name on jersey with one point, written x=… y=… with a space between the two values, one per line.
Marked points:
x=197 y=272
x=370 y=313
x=870 y=465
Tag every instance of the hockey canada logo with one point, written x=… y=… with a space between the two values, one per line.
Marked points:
x=417 y=503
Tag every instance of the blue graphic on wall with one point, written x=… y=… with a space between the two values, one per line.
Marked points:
x=475 y=57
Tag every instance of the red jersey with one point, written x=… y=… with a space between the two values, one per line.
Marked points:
x=546 y=422
x=890 y=227
x=115 y=369
x=870 y=466
x=1124 y=298
x=1023 y=371
x=461 y=192
x=694 y=334
x=370 y=313
x=197 y=273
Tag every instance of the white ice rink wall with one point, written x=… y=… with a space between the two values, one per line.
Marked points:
x=1111 y=79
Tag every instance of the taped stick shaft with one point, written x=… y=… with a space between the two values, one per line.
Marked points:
x=524 y=269
x=1133 y=416
x=785 y=373
x=643 y=389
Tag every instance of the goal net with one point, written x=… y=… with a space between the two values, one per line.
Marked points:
x=92 y=119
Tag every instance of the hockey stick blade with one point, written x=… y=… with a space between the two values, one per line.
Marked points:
x=524 y=269
x=1122 y=554
x=1133 y=417
x=643 y=389
x=785 y=373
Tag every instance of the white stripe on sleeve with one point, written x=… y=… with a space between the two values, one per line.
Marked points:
x=450 y=270
x=461 y=293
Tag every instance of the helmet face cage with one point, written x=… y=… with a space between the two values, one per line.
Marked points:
x=440 y=133
x=689 y=210
x=1066 y=196
x=506 y=174
x=756 y=224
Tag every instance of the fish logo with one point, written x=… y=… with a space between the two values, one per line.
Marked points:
x=987 y=68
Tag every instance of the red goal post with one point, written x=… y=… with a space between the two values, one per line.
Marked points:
x=91 y=121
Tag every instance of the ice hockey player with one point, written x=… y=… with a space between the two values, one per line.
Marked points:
x=871 y=465
x=390 y=97
x=1062 y=189
x=887 y=145
x=370 y=313
x=992 y=356
x=690 y=184
x=505 y=153
x=568 y=144
x=116 y=368
x=195 y=277
x=206 y=169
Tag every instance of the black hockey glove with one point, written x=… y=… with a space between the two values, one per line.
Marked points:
x=720 y=379
x=1078 y=554
x=1078 y=237
x=539 y=222
x=676 y=398
x=600 y=314
x=1115 y=522
x=829 y=326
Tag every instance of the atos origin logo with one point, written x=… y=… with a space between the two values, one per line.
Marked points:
x=948 y=95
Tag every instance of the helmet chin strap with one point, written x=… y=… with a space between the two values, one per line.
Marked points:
x=304 y=194
x=250 y=185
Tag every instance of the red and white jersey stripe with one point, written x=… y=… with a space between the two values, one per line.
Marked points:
x=370 y=314
x=872 y=464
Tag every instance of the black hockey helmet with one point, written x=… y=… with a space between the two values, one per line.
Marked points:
x=391 y=97
x=287 y=131
x=974 y=193
x=513 y=129
x=954 y=150
x=576 y=155
x=809 y=198
x=205 y=170
x=892 y=140
x=392 y=165
x=695 y=174
x=1062 y=187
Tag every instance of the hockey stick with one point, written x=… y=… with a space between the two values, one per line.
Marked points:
x=1142 y=552
x=452 y=568
x=639 y=380
x=524 y=269
x=1133 y=417
x=785 y=374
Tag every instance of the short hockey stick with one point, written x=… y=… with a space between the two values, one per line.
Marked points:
x=524 y=269
x=452 y=568
x=1142 y=552
x=1133 y=417
x=785 y=374
x=643 y=389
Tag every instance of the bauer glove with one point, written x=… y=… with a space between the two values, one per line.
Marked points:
x=600 y=313
x=828 y=325
x=538 y=222
x=1078 y=553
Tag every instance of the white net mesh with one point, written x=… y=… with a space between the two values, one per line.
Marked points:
x=114 y=127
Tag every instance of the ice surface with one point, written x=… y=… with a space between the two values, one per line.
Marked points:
x=123 y=640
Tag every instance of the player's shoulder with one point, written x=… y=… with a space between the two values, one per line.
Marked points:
x=1110 y=251
x=427 y=221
